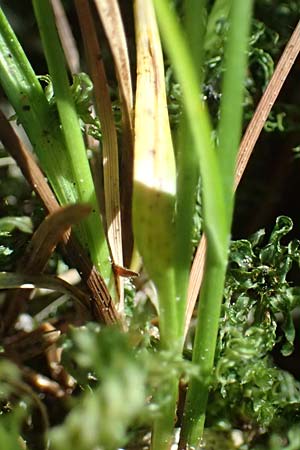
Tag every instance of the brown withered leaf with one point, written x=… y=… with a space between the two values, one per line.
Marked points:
x=112 y=23
x=47 y=236
x=109 y=138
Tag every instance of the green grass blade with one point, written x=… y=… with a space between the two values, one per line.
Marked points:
x=195 y=26
x=187 y=163
x=230 y=126
x=196 y=113
x=210 y=301
x=213 y=201
x=187 y=180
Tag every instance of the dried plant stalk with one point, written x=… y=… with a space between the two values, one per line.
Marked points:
x=111 y=19
x=11 y=280
x=109 y=133
x=112 y=23
x=66 y=36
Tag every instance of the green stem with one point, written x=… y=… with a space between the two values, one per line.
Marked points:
x=65 y=165
x=163 y=426
x=187 y=163
x=202 y=150
x=168 y=320
x=162 y=434
x=34 y=113
x=204 y=349
x=72 y=133
x=187 y=180
x=195 y=26
x=229 y=130
x=213 y=282
x=196 y=113
x=217 y=218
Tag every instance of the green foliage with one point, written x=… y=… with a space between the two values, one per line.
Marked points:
x=257 y=282
x=124 y=382
x=292 y=442
x=10 y=429
x=259 y=301
x=82 y=94
x=104 y=359
x=11 y=416
x=261 y=44
x=123 y=379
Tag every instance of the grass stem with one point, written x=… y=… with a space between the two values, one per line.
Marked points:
x=216 y=189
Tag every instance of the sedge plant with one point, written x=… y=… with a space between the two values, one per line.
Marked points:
x=165 y=179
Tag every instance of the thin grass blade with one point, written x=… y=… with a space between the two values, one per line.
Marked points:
x=187 y=166
x=233 y=88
